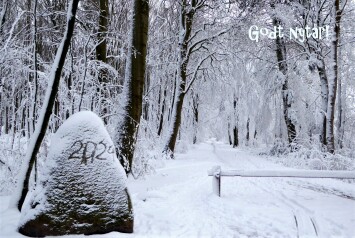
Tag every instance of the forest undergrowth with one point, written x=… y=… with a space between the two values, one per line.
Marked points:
x=148 y=156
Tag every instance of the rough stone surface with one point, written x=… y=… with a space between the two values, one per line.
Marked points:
x=82 y=188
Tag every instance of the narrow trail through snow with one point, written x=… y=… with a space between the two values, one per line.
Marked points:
x=309 y=208
x=250 y=207
x=177 y=201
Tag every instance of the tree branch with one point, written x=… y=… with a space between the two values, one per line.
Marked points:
x=195 y=72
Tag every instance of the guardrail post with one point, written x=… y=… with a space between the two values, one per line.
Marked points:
x=216 y=180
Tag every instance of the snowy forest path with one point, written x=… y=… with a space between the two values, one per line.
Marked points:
x=291 y=194
x=177 y=200
x=304 y=221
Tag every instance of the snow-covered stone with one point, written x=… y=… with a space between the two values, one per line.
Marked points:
x=82 y=188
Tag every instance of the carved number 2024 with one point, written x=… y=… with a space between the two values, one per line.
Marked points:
x=90 y=150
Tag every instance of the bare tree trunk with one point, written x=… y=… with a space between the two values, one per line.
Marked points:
x=6 y=119
x=171 y=108
x=35 y=73
x=314 y=47
x=1 y=112
x=333 y=81
x=3 y=15
x=248 y=136
x=236 y=120
x=340 y=114
x=324 y=95
x=195 y=104
x=15 y=107
x=145 y=112
x=176 y=121
x=134 y=83
x=41 y=126
x=341 y=102
x=186 y=18
x=101 y=55
x=286 y=96
x=161 y=119
x=235 y=137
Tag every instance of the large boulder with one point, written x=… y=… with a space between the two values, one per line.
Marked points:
x=82 y=188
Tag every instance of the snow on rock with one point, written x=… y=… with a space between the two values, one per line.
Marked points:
x=82 y=188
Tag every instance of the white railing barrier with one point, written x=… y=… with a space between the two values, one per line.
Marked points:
x=217 y=173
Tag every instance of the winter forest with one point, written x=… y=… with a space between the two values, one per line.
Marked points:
x=169 y=89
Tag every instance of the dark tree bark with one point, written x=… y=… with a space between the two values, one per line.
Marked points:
x=35 y=69
x=161 y=120
x=333 y=82
x=247 y=136
x=134 y=84
x=173 y=90
x=324 y=95
x=6 y=119
x=187 y=13
x=1 y=114
x=101 y=55
x=341 y=102
x=235 y=137
x=47 y=106
x=286 y=100
x=101 y=48
x=176 y=117
x=195 y=104
x=145 y=112
x=314 y=47
x=3 y=15
x=236 y=119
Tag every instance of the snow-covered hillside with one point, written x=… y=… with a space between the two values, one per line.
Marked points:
x=177 y=201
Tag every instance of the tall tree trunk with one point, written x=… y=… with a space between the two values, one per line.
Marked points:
x=3 y=15
x=185 y=26
x=29 y=42
x=101 y=55
x=195 y=104
x=56 y=112
x=324 y=96
x=161 y=119
x=248 y=136
x=341 y=101
x=333 y=80
x=172 y=103
x=236 y=120
x=6 y=119
x=15 y=107
x=315 y=48
x=1 y=112
x=235 y=137
x=145 y=112
x=43 y=120
x=134 y=83
x=286 y=95
x=175 y=121
x=35 y=73
x=340 y=114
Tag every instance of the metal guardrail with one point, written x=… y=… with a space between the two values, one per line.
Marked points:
x=217 y=173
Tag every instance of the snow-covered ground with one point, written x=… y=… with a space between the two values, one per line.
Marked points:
x=177 y=201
